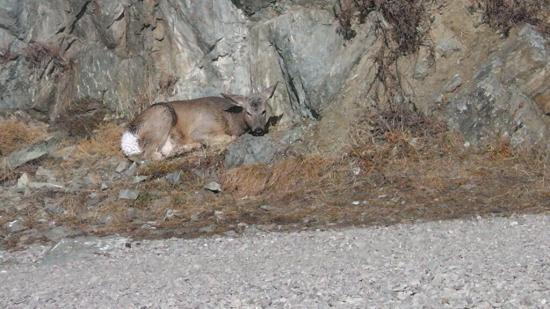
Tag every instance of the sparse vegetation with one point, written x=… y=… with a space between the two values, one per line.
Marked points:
x=81 y=118
x=104 y=143
x=405 y=167
x=166 y=84
x=38 y=54
x=15 y=134
x=504 y=14
x=6 y=55
x=408 y=20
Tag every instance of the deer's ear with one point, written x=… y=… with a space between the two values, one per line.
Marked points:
x=235 y=109
x=274 y=120
x=268 y=92
x=232 y=98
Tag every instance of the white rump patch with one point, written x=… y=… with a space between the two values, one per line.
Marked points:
x=167 y=148
x=129 y=144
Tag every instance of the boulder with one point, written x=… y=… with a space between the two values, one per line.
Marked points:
x=250 y=149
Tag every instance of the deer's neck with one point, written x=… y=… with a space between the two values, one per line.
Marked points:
x=236 y=124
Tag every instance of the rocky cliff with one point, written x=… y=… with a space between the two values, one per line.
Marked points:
x=59 y=56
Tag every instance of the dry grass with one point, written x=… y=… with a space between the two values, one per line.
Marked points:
x=282 y=178
x=105 y=142
x=402 y=167
x=15 y=134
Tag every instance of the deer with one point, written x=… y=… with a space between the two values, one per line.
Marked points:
x=170 y=129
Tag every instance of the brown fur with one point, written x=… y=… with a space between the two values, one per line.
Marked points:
x=169 y=129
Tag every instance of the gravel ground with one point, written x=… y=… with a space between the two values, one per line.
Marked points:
x=483 y=263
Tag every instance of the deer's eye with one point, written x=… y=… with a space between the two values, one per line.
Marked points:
x=263 y=113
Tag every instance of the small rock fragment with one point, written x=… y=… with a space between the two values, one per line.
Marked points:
x=169 y=214
x=219 y=215
x=30 y=153
x=122 y=166
x=208 y=229
x=23 y=182
x=138 y=179
x=447 y=46
x=266 y=207
x=46 y=173
x=453 y=84
x=131 y=213
x=15 y=226
x=47 y=186
x=174 y=178
x=213 y=187
x=92 y=180
x=131 y=171
x=424 y=63
x=53 y=207
x=128 y=194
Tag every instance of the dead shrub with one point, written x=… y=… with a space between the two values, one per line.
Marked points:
x=81 y=118
x=345 y=18
x=167 y=84
x=47 y=60
x=6 y=55
x=38 y=54
x=398 y=136
x=414 y=122
x=16 y=134
x=504 y=14
x=104 y=142
x=409 y=20
x=501 y=150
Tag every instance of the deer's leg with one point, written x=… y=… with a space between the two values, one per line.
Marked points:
x=155 y=125
x=219 y=141
x=152 y=151
x=177 y=145
x=176 y=150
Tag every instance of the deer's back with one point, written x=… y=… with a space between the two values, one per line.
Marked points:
x=201 y=116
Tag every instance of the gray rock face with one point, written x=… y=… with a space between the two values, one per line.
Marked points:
x=128 y=54
x=501 y=101
x=131 y=53
x=125 y=54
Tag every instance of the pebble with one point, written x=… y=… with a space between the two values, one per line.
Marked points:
x=213 y=187
x=15 y=226
x=174 y=178
x=266 y=207
x=454 y=83
x=128 y=194
x=122 y=166
x=22 y=182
